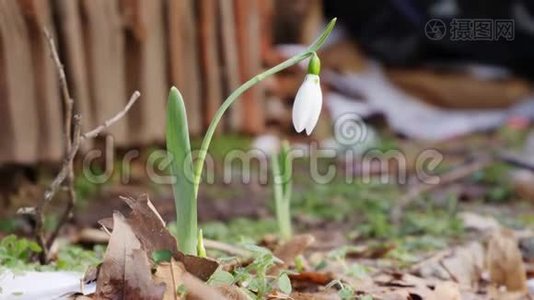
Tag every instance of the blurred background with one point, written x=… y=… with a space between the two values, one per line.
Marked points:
x=433 y=69
x=447 y=75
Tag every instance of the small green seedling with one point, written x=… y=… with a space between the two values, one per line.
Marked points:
x=16 y=252
x=187 y=175
x=255 y=279
x=281 y=168
x=345 y=292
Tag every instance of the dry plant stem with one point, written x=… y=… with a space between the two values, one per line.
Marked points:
x=95 y=132
x=173 y=281
x=445 y=179
x=71 y=145
x=69 y=178
x=66 y=171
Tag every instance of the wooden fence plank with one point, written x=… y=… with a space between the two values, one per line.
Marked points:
x=146 y=69
x=104 y=41
x=111 y=47
x=231 y=60
x=266 y=27
x=248 y=26
x=74 y=58
x=48 y=102
x=18 y=120
x=184 y=60
x=211 y=67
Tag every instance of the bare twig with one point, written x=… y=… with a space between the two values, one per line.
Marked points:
x=67 y=144
x=71 y=144
x=516 y=161
x=95 y=132
x=445 y=179
x=67 y=213
x=173 y=280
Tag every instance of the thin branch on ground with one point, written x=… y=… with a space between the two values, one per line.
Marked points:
x=71 y=144
x=444 y=180
x=516 y=161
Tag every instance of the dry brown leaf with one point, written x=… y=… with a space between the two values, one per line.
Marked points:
x=478 y=222
x=177 y=276
x=171 y=278
x=199 y=290
x=125 y=272
x=150 y=230
x=288 y=251
x=447 y=291
x=319 y=278
x=148 y=226
x=401 y=286
x=370 y=252
x=505 y=263
x=465 y=265
x=499 y=294
x=232 y=292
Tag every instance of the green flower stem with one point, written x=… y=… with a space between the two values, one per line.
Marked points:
x=243 y=88
x=282 y=197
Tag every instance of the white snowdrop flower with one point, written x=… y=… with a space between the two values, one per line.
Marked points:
x=309 y=99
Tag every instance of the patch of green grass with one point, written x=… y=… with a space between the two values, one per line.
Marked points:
x=339 y=200
x=432 y=222
x=424 y=227
x=16 y=253
x=76 y=258
x=253 y=279
x=500 y=188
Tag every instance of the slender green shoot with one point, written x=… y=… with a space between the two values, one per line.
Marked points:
x=179 y=148
x=281 y=168
x=200 y=248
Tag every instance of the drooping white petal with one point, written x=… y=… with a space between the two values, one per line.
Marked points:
x=316 y=103
x=307 y=105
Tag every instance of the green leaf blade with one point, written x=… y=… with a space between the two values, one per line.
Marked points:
x=179 y=148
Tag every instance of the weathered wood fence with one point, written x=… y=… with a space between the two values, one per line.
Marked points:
x=111 y=48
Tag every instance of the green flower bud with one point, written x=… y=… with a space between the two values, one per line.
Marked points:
x=314 y=66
